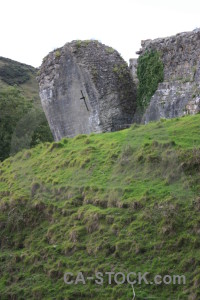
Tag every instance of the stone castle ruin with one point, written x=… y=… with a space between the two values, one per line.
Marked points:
x=87 y=87
x=179 y=93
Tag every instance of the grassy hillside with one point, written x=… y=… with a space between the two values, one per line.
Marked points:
x=22 y=120
x=24 y=76
x=127 y=201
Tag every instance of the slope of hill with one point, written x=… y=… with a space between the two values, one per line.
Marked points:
x=127 y=201
x=24 y=76
x=22 y=120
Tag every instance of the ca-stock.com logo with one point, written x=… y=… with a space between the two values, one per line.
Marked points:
x=119 y=278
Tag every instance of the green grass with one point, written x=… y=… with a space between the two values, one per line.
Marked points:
x=126 y=201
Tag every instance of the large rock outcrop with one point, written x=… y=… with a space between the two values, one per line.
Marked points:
x=86 y=87
x=179 y=93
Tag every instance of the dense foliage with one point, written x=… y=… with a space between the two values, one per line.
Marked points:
x=150 y=74
x=21 y=124
x=14 y=73
x=126 y=201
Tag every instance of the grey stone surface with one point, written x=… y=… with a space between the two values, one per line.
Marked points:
x=179 y=94
x=103 y=77
x=133 y=69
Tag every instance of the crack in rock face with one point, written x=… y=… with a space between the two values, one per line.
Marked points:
x=86 y=87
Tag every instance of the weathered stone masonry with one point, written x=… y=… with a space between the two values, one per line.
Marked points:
x=104 y=79
x=179 y=94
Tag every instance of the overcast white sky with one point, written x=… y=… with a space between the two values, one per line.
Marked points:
x=30 y=29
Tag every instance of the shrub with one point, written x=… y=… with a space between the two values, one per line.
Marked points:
x=57 y=54
x=21 y=125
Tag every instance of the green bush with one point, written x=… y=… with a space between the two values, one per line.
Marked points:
x=57 y=54
x=21 y=124
x=150 y=73
x=12 y=108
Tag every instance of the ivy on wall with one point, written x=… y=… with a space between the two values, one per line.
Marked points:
x=150 y=73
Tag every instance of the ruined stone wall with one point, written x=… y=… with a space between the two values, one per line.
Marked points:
x=179 y=93
x=104 y=79
x=133 y=69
